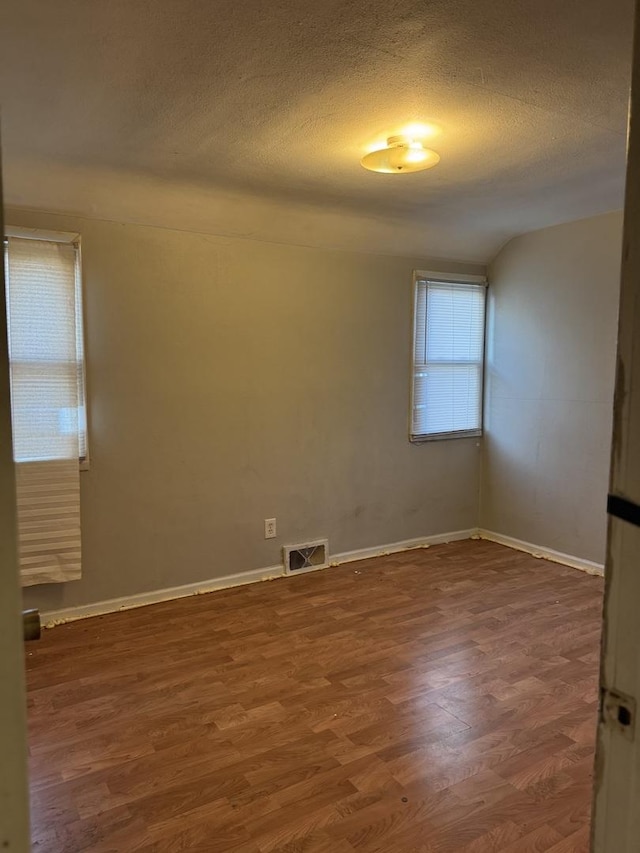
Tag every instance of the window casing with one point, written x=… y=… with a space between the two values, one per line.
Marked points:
x=447 y=356
x=46 y=345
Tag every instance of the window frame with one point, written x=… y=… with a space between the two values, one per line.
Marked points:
x=427 y=276
x=73 y=238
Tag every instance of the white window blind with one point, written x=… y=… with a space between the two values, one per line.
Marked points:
x=44 y=314
x=448 y=356
x=45 y=349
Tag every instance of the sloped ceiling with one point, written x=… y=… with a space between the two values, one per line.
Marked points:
x=250 y=117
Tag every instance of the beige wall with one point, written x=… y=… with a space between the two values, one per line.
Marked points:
x=231 y=380
x=550 y=377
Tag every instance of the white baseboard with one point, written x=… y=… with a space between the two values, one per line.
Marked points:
x=587 y=566
x=396 y=547
x=112 y=605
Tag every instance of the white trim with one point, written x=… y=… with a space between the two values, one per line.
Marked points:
x=41 y=234
x=422 y=438
x=112 y=605
x=587 y=566
x=453 y=277
x=74 y=239
x=396 y=547
x=141 y=599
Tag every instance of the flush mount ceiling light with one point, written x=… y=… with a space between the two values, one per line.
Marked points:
x=402 y=154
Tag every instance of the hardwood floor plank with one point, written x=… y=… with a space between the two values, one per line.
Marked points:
x=441 y=700
x=542 y=839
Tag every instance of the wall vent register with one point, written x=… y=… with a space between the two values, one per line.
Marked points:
x=307 y=557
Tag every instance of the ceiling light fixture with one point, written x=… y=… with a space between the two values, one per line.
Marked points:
x=402 y=154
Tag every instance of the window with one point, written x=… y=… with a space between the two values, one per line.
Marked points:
x=44 y=312
x=448 y=357
x=46 y=362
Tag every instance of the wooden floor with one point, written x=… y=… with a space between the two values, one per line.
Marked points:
x=435 y=700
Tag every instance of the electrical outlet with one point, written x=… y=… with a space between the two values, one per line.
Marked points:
x=269 y=528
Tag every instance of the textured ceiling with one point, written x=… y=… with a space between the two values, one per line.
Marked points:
x=249 y=117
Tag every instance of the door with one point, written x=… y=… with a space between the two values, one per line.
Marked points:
x=616 y=826
x=14 y=814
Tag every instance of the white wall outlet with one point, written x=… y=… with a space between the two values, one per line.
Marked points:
x=269 y=528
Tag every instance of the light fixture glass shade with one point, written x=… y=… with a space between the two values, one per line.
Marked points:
x=402 y=154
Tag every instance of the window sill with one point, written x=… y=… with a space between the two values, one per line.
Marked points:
x=445 y=436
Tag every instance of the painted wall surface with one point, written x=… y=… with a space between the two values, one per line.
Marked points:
x=550 y=378
x=231 y=381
